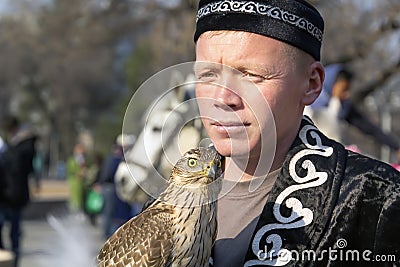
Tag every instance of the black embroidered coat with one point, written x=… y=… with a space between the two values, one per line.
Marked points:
x=329 y=207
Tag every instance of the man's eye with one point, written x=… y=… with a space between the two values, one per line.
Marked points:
x=253 y=77
x=208 y=76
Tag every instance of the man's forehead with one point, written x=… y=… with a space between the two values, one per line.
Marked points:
x=232 y=37
x=224 y=38
x=209 y=34
x=241 y=41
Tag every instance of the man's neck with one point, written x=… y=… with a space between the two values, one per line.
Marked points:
x=240 y=170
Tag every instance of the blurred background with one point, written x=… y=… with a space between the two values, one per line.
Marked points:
x=68 y=68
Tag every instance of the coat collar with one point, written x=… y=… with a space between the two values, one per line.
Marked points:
x=301 y=201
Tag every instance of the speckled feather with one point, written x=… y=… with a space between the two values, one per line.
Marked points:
x=140 y=240
x=179 y=228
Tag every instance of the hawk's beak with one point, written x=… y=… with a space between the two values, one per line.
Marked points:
x=212 y=170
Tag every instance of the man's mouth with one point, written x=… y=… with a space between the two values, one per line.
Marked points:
x=230 y=127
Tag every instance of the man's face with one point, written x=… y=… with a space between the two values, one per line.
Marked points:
x=249 y=91
x=341 y=89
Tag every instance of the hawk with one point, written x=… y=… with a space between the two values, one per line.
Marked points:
x=177 y=229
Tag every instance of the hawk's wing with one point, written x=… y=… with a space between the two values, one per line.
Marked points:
x=145 y=240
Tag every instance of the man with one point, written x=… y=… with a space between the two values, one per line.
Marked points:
x=76 y=172
x=291 y=196
x=115 y=211
x=15 y=168
x=334 y=107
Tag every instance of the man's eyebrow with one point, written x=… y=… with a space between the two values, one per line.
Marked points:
x=262 y=68
x=201 y=65
x=245 y=67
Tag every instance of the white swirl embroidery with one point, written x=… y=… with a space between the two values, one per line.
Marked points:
x=300 y=216
x=251 y=7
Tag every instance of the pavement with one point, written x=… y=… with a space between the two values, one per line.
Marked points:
x=51 y=236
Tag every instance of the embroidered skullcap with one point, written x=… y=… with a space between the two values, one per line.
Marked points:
x=295 y=22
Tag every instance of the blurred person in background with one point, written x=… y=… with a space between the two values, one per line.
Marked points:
x=38 y=168
x=92 y=177
x=396 y=165
x=76 y=171
x=3 y=145
x=15 y=168
x=334 y=108
x=115 y=211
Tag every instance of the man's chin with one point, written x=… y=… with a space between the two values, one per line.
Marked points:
x=229 y=149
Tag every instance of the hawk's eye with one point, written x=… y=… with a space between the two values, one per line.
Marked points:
x=192 y=162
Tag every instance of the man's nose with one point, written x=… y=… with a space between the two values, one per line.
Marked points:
x=226 y=93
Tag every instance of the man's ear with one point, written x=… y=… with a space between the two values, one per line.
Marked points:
x=316 y=79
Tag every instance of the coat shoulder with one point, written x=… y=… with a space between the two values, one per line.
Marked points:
x=371 y=170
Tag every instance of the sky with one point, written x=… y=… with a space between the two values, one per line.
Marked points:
x=6 y=7
x=363 y=4
x=3 y=6
x=366 y=5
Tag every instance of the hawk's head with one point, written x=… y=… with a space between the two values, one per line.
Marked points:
x=197 y=167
